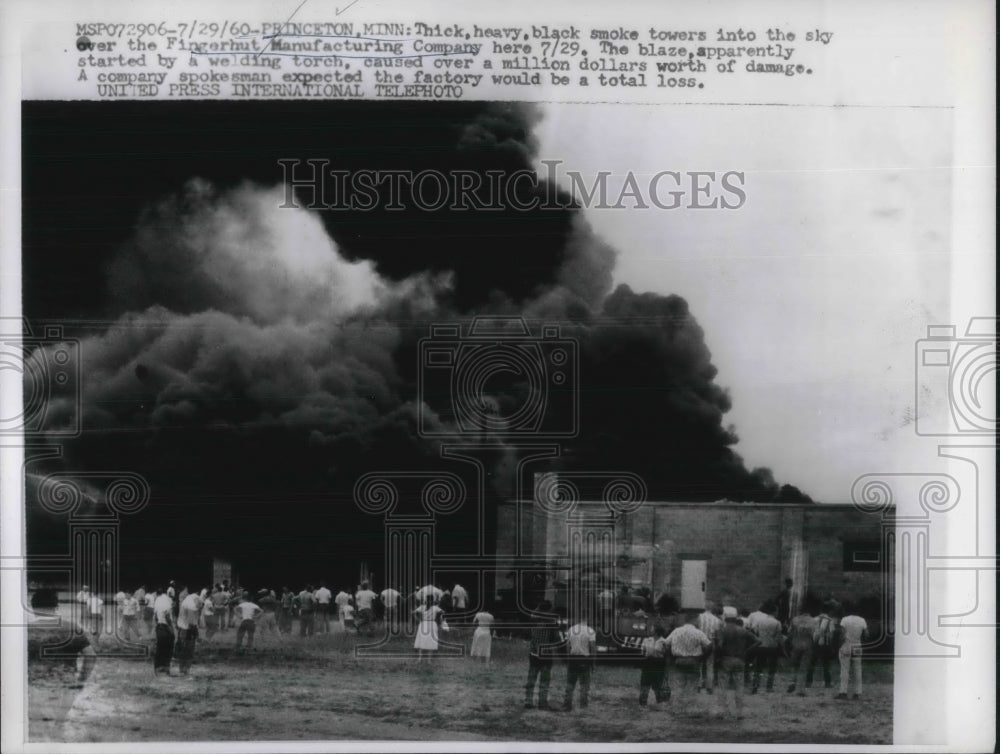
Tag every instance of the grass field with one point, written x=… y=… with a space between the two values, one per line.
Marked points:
x=294 y=689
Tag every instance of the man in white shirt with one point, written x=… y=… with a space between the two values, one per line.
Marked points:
x=459 y=597
x=95 y=614
x=754 y=619
x=130 y=618
x=164 y=617
x=307 y=612
x=390 y=600
x=220 y=598
x=429 y=590
x=140 y=597
x=581 y=641
x=324 y=598
x=208 y=616
x=247 y=613
x=365 y=602
x=187 y=630
x=854 y=630
x=83 y=599
x=751 y=624
x=343 y=598
x=687 y=644
x=769 y=632
x=149 y=611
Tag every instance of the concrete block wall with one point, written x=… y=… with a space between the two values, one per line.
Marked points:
x=825 y=532
x=750 y=549
x=741 y=546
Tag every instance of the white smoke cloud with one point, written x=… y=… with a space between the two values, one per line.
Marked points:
x=240 y=252
x=238 y=312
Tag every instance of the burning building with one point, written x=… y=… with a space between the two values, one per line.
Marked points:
x=698 y=553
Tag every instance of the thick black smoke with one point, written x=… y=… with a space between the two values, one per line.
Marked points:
x=258 y=360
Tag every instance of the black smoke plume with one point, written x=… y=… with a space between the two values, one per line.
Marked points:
x=254 y=361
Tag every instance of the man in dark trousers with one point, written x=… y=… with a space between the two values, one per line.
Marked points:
x=825 y=645
x=307 y=608
x=543 y=643
x=733 y=644
x=187 y=631
x=769 y=634
x=654 y=667
x=163 y=612
x=581 y=648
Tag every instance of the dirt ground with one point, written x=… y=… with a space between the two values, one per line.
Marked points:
x=316 y=688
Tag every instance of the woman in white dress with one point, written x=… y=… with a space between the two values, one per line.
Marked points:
x=429 y=619
x=482 y=638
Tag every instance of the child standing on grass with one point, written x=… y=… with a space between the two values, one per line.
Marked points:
x=482 y=638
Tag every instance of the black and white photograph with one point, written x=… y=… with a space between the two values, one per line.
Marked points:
x=431 y=415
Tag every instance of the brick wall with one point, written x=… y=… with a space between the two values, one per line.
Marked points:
x=742 y=547
x=825 y=532
x=749 y=549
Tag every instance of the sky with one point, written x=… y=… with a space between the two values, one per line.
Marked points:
x=813 y=294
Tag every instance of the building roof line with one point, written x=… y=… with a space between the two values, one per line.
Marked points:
x=730 y=504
